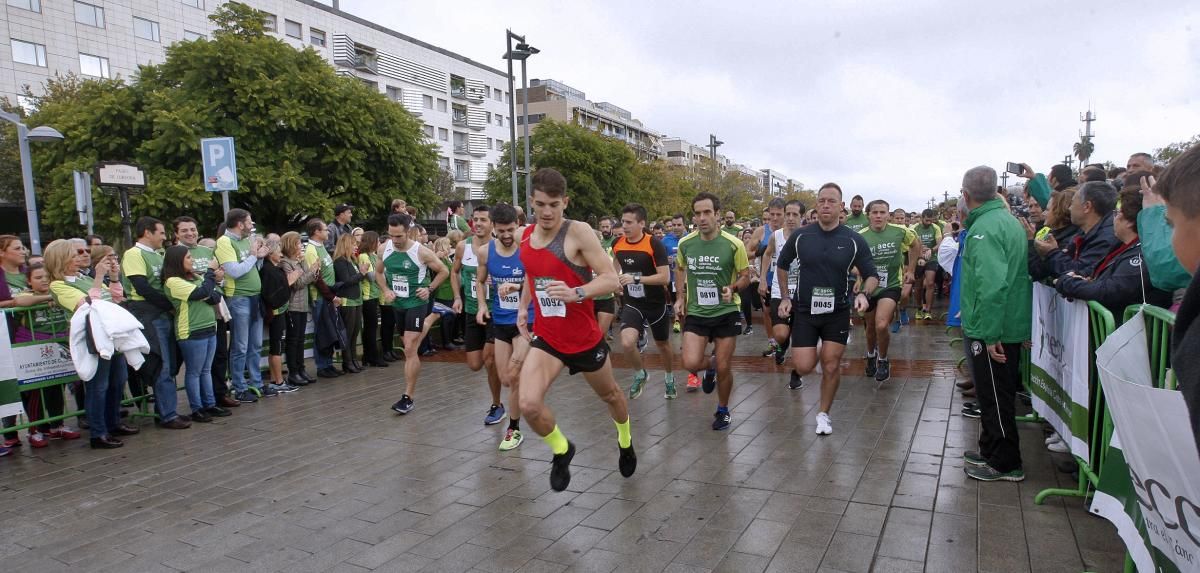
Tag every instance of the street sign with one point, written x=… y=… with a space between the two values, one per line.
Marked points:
x=120 y=174
x=83 y=198
x=220 y=165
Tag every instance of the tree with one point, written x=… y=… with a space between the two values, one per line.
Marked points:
x=443 y=186
x=306 y=139
x=1083 y=149
x=1173 y=150
x=663 y=189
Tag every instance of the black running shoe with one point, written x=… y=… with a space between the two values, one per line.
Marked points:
x=884 y=371
x=972 y=411
x=780 y=355
x=872 y=367
x=796 y=381
x=721 y=420
x=560 y=469
x=710 y=380
x=404 y=406
x=627 y=461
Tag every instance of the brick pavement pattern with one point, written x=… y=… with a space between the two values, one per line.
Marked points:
x=329 y=479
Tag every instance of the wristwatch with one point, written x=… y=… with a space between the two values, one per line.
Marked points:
x=637 y=279
x=580 y=293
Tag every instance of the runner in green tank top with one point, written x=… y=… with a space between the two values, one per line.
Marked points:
x=477 y=338
x=890 y=245
x=929 y=233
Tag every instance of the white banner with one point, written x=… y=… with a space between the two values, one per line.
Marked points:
x=1058 y=377
x=10 y=397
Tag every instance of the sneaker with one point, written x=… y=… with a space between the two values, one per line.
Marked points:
x=12 y=442
x=38 y=439
x=895 y=327
x=780 y=355
x=512 y=439
x=904 y=316
x=64 y=433
x=795 y=382
x=1059 y=447
x=676 y=327
x=721 y=420
x=639 y=381
x=872 y=366
x=710 y=380
x=1053 y=438
x=269 y=390
x=772 y=347
x=627 y=461
x=246 y=397
x=749 y=330
x=824 y=427
x=285 y=388
x=693 y=382
x=885 y=371
x=973 y=458
x=404 y=406
x=971 y=411
x=5 y=450
x=670 y=382
x=495 y=415
x=988 y=473
x=560 y=469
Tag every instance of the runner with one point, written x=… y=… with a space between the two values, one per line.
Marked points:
x=406 y=287
x=557 y=254
x=820 y=305
x=500 y=275
x=793 y=215
x=712 y=268
x=677 y=230
x=857 y=221
x=929 y=234
x=772 y=220
x=890 y=245
x=641 y=261
x=477 y=335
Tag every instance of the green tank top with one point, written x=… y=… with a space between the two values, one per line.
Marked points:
x=404 y=273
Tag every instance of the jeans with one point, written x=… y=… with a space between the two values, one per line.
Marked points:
x=197 y=379
x=103 y=401
x=322 y=359
x=245 y=345
x=166 y=395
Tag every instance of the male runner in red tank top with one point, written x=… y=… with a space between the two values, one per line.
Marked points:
x=559 y=255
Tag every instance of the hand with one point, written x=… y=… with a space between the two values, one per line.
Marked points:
x=624 y=279
x=103 y=267
x=860 y=303
x=389 y=296
x=996 y=351
x=482 y=316
x=423 y=293
x=219 y=274
x=1047 y=245
x=727 y=294
x=506 y=289
x=909 y=278
x=212 y=264
x=337 y=301
x=785 y=308
x=1030 y=232
x=457 y=306
x=523 y=322
x=1027 y=171
x=363 y=268
x=1149 y=197
x=295 y=275
x=1028 y=344
x=762 y=290
x=680 y=308
x=948 y=230
x=560 y=291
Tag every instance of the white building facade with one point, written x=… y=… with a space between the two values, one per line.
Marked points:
x=462 y=103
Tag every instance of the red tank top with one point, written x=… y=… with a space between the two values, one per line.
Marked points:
x=568 y=327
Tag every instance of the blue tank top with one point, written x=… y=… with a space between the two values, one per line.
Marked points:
x=503 y=269
x=767 y=232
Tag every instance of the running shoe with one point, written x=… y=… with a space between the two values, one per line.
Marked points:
x=404 y=406
x=285 y=388
x=872 y=367
x=38 y=439
x=971 y=410
x=676 y=328
x=246 y=397
x=749 y=330
x=772 y=347
x=512 y=439
x=988 y=473
x=895 y=327
x=904 y=316
x=560 y=469
x=824 y=425
x=670 y=382
x=796 y=382
x=12 y=442
x=639 y=382
x=1059 y=447
x=721 y=420
x=693 y=382
x=780 y=355
x=627 y=460
x=268 y=390
x=884 y=371
x=973 y=457
x=495 y=415
x=710 y=380
x=4 y=451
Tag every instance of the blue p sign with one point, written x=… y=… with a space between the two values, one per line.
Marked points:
x=220 y=164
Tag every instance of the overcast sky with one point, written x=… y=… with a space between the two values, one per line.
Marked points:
x=892 y=100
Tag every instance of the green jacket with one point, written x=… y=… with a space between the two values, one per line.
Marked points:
x=1039 y=189
x=997 y=294
x=1165 y=271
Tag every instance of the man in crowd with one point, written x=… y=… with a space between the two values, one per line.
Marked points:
x=605 y=226
x=641 y=263
x=895 y=258
x=731 y=225
x=341 y=225
x=929 y=235
x=316 y=256
x=468 y=297
x=781 y=329
x=1091 y=210
x=858 y=220
x=238 y=252
x=457 y=221
x=1140 y=161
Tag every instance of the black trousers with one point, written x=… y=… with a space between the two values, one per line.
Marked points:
x=996 y=388
x=294 y=341
x=387 y=328
x=220 y=365
x=351 y=317
x=370 y=330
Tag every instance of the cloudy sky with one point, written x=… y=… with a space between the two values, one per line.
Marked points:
x=892 y=100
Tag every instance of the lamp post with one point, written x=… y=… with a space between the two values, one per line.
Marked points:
x=521 y=52
x=24 y=136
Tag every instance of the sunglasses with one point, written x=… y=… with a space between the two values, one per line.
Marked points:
x=81 y=251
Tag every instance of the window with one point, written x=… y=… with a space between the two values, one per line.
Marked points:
x=194 y=3
x=316 y=37
x=499 y=120
x=29 y=53
x=489 y=143
x=89 y=14
x=499 y=95
x=393 y=93
x=145 y=29
x=443 y=134
x=441 y=105
x=189 y=35
x=487 y=115
x=429 y=131
x=293 y=29
x=33 y=5
x=270 y=23
x=444 y=162
x=95 y=66
x=427 y=101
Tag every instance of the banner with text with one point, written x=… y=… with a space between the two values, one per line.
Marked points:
x=1058 y=375
x=10 y=396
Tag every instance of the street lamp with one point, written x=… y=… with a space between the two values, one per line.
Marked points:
x=41 y=134
x=521 y=52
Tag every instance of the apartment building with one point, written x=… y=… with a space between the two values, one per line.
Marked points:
x=558 y=101
x=462 y=103
x=682 y=153
x=774 y=182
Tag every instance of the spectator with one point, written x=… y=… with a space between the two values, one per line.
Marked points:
x=455 y=220
x=996 y=306
x=371 y=295
x=348 y=276
x=193 y=296
x=398 y=206
x=1140 y=161
x=187 y=233
x=238 y=252
x=1057 y=225
x=1040 y=186
x=1179 y=187
x=1120 y=279
x=276 y=297
x=93 y=241
x=1092 y=174
x=84 y=259
x=1092 y=211
x=297 y=308
x=340 y=225
x=321 y=293
x=1166 y=272
x=731 y=225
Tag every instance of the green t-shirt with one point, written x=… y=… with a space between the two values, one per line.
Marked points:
x=711 y=266
x=142 y=262
x=928 y=235
x=466 y=278
x=888 y=247
x=858 y=222
x=48 y=320
x=68 y=292
x=405 y=273
x=231 y=250
x=191 y=316
x=201 y=256
x=315 y=254
x=16 y=282
x=370 y=290
x=735 y=230
x=445 y=291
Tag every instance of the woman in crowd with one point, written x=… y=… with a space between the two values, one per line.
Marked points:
x=276 y=298
x=1120 y=279
x=444 y=295
x=348 y=274
x=195 y=327
x=297 y=308
x=370 y=296
x=1058 y=224
x=69 y=290
x=749 y=295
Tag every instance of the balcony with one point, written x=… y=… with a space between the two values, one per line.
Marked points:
x=366 y=63
x=459 y=119
x=461 y=175
x=458 y=87
x=461 y=148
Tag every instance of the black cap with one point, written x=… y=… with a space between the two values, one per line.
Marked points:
x=342 y=209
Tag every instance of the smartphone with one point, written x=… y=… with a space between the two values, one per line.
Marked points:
x=1014 y=168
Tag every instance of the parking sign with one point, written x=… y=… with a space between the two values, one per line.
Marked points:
x=220 y=165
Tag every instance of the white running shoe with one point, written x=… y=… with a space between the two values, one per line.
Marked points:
x=1052 y=439
x=1060 y=447
x=824 y=428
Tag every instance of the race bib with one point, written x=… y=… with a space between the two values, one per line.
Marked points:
x=636 y=290
x=707 y=295
x=793 y=283
x=400 y=286
x=474 y=290
x=511 y=301
x=822 y=300
x=550 y=306
x=883 y=277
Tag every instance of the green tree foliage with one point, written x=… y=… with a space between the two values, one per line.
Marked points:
x=1173 y=150
x=1083 y=149
x=306 y=139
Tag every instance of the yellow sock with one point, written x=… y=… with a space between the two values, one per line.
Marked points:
x=556 y=440
x=623 y=436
